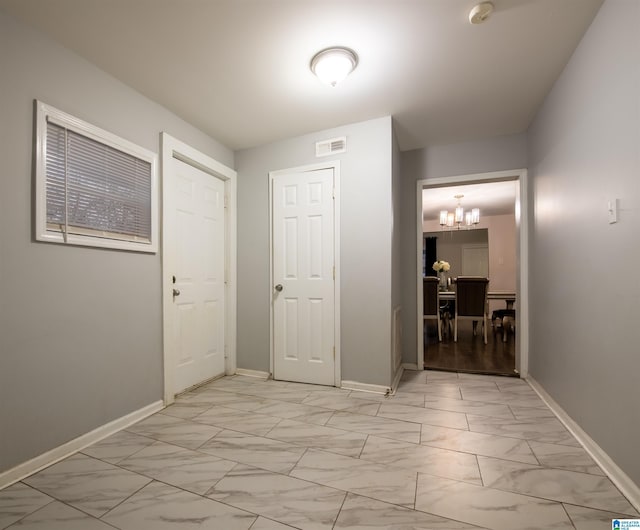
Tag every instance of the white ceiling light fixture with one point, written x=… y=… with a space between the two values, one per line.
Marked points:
x=459 y=217
x=481 y=12
x=332 y=65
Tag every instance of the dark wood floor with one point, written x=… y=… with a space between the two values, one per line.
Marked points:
x=469 y=354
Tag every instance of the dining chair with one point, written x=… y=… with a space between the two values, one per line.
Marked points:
x=471 y=303
x=504 y=320
x=431 y=301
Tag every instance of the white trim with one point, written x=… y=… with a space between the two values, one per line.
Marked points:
x=522 y=287
x=46 y=113
x=335 y=165
x=173 y=148
x=396 y=379
x=366 y=387
x=410 y=366
x=396 y=338
x=419 y=281
x=522 y=270
x=623 y=482
x=253 y=373
x=77 y=444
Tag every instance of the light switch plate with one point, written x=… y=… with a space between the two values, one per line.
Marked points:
x=612 y=208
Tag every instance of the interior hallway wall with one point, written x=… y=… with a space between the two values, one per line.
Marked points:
x=365 y=239
x=584 y=150
x=80 y=328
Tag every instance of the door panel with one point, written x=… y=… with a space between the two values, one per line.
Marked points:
x=199 y=276
x=475 y=261
x=303 y=263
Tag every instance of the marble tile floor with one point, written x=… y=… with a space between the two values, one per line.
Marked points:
x=447 y=451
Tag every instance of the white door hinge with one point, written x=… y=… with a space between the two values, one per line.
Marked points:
x=226 y=201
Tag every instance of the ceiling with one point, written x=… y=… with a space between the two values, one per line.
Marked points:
x=239 y=69
x=493 y=198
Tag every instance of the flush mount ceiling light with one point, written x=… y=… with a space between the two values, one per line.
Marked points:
x=332 y=65
x=480 y=13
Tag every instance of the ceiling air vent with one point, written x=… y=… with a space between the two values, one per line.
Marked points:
x=331 y=146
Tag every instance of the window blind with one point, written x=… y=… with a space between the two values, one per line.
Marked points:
x=95 y=189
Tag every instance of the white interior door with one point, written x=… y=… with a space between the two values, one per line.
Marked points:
x=303 y=276
x=475 y=261
x=198 y=246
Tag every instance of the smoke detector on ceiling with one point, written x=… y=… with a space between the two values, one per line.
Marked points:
x=480 y=13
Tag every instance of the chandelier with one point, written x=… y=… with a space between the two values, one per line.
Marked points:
x=459 y=217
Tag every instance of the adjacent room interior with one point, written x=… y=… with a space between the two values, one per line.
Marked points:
x=485 y=246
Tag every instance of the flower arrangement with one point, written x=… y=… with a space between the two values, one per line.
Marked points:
x=441 y=266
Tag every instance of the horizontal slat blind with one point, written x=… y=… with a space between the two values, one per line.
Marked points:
x=104 y=189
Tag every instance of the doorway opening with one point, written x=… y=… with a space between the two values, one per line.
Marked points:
x=495 y=248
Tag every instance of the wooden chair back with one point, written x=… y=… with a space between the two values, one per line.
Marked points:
x=471 y=296
x=430 y=296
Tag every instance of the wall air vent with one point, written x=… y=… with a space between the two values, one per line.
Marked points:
x=332 y=146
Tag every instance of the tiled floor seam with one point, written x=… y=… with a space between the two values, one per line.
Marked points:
x=568 y=515
x=125 y=499
x=533 y=452
x=288 y=474
x=335 y=521
x=154 y=479
x=37 y=509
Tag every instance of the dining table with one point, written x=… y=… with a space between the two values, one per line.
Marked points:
x=508 y=296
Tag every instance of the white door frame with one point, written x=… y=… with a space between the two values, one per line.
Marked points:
x=335 y=165
x=522 y=256
x=172 y=148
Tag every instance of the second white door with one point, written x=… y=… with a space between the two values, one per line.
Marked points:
x=303 y=276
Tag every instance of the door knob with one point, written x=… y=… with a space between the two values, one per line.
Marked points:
x=279 y=287
x=176 y=292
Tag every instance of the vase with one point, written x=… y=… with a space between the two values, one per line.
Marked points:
x=443 y=281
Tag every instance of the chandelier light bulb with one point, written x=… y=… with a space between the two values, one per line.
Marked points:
x=450 y=219
x=475 y=216
x=443 y=217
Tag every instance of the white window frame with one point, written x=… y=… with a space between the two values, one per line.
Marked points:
x=42 y=233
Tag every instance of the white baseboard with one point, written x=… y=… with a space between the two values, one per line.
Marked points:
x=624 y=483
x=252 y=373
x=365 y=387
x=77 y=444
x=410 y=366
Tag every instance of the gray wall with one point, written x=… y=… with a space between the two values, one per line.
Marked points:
x=365 y=237
x=80 y=329
x=496 y=154
x=584 y=283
